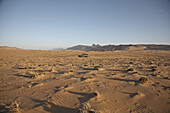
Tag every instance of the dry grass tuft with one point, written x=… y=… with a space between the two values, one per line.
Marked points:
x=99 y=68
x=86 y=108
x=11 y=108
x=130 y=69
x=52 y=70
x=35 y=75
x=29 y=67
x=143 y=80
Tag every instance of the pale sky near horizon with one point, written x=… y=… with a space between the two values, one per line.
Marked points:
x=48 y=24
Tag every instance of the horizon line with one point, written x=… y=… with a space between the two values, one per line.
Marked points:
x=65 y=48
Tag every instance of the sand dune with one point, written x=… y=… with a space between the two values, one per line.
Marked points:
x=33 y=81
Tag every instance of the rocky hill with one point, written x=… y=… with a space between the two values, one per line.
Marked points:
x=7 y=47
x=120 y=47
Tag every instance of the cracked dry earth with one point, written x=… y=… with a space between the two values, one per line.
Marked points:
x=60 y=81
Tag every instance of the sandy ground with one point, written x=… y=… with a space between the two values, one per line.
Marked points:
x=61 y=82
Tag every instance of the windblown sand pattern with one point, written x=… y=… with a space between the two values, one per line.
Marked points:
x=104 y=82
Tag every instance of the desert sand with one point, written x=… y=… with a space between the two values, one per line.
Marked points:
x=37 y=81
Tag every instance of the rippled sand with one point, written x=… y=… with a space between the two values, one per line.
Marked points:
x=106 y=82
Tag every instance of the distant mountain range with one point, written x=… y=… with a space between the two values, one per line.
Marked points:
x=97 y=47
x=7 y=47
x=120 y=47
x=58 y=49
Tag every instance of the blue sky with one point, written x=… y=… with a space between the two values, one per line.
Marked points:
x=48 y=24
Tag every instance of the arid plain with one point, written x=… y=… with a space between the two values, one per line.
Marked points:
x=36 y=81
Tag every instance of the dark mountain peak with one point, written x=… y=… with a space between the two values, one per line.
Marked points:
x=97 y=47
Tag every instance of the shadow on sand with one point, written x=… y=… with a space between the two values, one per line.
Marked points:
x=89 y=69
x=130 y=94
x=19 y=75
x=52 y=108
x=126 y=80
x=118 y=70
x=85 y=96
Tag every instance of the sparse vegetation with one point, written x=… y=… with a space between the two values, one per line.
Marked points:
x=52 y=70
x=105 y=81
x=10 y=108
x=143 y=80
x=34 y=75
x=30 y=67
x=130 y=69
x=86 y=108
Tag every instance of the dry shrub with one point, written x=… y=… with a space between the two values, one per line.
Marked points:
x=86 y=108
x=29 y=67
x=52 y=70
x=130 y=69
x=11 y=108
x=36 y=75
x=143 y=80
x=99 y=68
